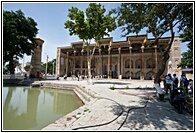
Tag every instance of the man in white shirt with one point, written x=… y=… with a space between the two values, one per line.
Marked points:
x=169 y=83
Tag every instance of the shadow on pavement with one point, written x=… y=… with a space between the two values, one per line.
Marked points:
x=158 y=115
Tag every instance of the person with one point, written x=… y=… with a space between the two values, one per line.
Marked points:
x=159 y=82
x=191 y=85
x=25 y=76
x=78 y=77
x=57 y=77
x=169 y=83
x=175 y=81
x=40 y=76
x=65 y=76
x=184 y=83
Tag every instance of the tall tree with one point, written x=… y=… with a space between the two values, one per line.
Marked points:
x=93 y=25
x=18 y=37
x=187 y=57
x=158 y=19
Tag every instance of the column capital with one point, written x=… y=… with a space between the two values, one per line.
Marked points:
x=130 y=48
x=119 y=50
x=99 y=51
x=142 y=47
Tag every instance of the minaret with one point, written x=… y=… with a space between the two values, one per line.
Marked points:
x=35 y=68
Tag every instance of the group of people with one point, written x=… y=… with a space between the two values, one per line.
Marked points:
x=171 y=83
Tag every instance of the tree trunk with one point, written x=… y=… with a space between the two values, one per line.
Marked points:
x=89 y=68
x=162 y=64
x=12 y=67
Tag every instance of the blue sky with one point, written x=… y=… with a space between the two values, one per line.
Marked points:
x=50 y=18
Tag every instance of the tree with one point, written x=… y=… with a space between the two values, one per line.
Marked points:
x=6 y=69
x=187 y=57
x=27 y=67
x=50 y=67
x=95 y=26
x=158 y=19
x=18 y=37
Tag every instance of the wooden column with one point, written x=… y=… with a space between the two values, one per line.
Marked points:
x=109 y=63
x=100 y=61
x=67 y=63
x=156 y=64
x=130 y=48
x=142 y=64
x=119 y=63
x=81 y=64
x=74 y=65
x=152 y=66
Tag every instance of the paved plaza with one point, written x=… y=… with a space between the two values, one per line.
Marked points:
x=133 y=107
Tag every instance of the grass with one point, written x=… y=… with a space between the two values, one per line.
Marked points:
x=112 y=87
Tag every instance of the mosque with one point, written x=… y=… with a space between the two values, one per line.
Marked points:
x=134 y=58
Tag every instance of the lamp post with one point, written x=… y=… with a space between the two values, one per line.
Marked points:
x=46 y=67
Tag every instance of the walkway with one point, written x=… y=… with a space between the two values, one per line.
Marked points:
x=123 y=109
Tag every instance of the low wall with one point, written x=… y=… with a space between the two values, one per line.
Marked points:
x=57 y=85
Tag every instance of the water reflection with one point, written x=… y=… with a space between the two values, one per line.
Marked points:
x=34 y=108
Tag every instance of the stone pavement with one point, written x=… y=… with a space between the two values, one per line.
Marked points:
x=123 y=109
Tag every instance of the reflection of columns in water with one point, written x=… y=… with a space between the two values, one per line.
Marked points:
x=32 y=103
x=119 y=63
x=130 y=48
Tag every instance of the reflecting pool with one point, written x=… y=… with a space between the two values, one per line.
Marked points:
x=26 y=108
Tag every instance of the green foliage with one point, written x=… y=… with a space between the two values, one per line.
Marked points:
x=158 y=19
x=127 y=87
x=27 y=68
x=49 y=68
x=187 y=57
x=95 y=25
x=18 y=36
x=6 y=69
x=112 y=87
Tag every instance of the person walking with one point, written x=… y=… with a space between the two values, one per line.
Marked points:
x=184 y=83
x=169 y=83
x=175 y=81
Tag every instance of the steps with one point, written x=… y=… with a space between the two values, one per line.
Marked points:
x=85 y=95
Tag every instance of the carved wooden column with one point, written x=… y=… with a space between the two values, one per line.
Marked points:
x=156 y=64
x=152 y=66
x=67 y=63
x=142 y=64
x=109 y=63
x=130 y=48
x=81 y=64
x=119 y=64
x=100 y=61
x=74 y=65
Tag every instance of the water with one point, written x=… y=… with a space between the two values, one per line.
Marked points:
x=27 y=108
